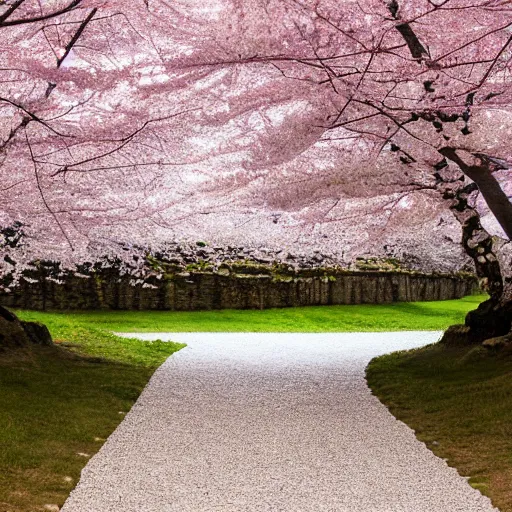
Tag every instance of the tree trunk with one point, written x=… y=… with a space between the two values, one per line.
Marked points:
x=493 y=318
x=481 y=173
x=491 y=322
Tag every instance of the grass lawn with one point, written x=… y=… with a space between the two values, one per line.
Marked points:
x=459 y=402
x=59 y=404
x=410 y=316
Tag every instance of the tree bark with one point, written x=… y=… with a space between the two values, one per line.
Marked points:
x=493 y=318
x=482 y=175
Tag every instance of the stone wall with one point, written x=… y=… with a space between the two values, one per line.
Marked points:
x=208 y=290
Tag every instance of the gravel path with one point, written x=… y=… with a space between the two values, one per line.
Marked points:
x=269 y=422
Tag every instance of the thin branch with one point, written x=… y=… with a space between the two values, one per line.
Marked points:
x=24 y=21
x=34 y=117
x=40 y=188
x=75 y=38
x=11 y=9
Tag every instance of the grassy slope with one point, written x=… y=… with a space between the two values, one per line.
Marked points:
x=459 y=402
x=59 y=402
x=392 y=317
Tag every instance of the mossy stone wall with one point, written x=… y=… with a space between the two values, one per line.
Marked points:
x=206 y=290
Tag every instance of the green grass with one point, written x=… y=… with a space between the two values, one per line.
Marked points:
x=390 y=317
x=57 y=402
x=459 y=402
x=61 y=401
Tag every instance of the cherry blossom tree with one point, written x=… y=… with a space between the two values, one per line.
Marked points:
x=122 y=117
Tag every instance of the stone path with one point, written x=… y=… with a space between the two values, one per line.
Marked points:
x=269 y=422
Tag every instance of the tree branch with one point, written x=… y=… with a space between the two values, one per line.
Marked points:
x=417 y=50
x=488 y=185
x=23 y=21
x=11 y=9
x=75 y=38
